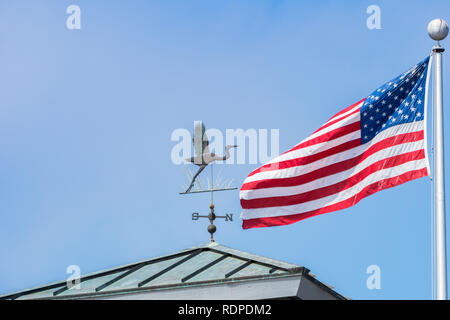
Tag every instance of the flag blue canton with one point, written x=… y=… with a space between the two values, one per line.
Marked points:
x=398 y=101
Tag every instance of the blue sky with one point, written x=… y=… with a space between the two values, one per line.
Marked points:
x=86 y=118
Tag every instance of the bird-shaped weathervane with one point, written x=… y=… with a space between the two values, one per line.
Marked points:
x=203 y=157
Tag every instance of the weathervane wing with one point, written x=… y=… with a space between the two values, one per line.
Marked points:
x=200 y=139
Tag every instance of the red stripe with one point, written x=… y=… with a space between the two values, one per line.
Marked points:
x=335 y=188
x=283 y=182
x=367 y=191
x=331 y=169
x=300 y=162
x=347 y=109
x=331 y=135
x=336 y=120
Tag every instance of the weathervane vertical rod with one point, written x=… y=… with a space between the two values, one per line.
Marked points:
x=212 y=183
x=441 y=256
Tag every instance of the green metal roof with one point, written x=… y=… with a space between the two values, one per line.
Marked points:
x=204 y=265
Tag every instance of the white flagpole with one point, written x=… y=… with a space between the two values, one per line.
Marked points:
x=438 y=30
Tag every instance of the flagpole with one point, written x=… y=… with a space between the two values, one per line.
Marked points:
x=438 y=30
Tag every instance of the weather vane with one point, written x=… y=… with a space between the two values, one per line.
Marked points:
x=203 y=158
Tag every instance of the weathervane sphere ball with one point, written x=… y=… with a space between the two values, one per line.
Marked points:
x=212 y=228
x=437 y=29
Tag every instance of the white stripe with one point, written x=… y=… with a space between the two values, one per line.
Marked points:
x=307 y=150
x=344 y=122
x=334 y=178
x=342 y=115
x=345 y=155
x=335 y=198
x=316 y=148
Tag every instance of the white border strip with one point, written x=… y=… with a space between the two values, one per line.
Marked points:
x=430 y=65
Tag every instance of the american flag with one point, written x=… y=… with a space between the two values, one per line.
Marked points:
x=374 y=144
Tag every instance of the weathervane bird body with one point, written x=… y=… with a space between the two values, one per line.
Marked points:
x=203 y=157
